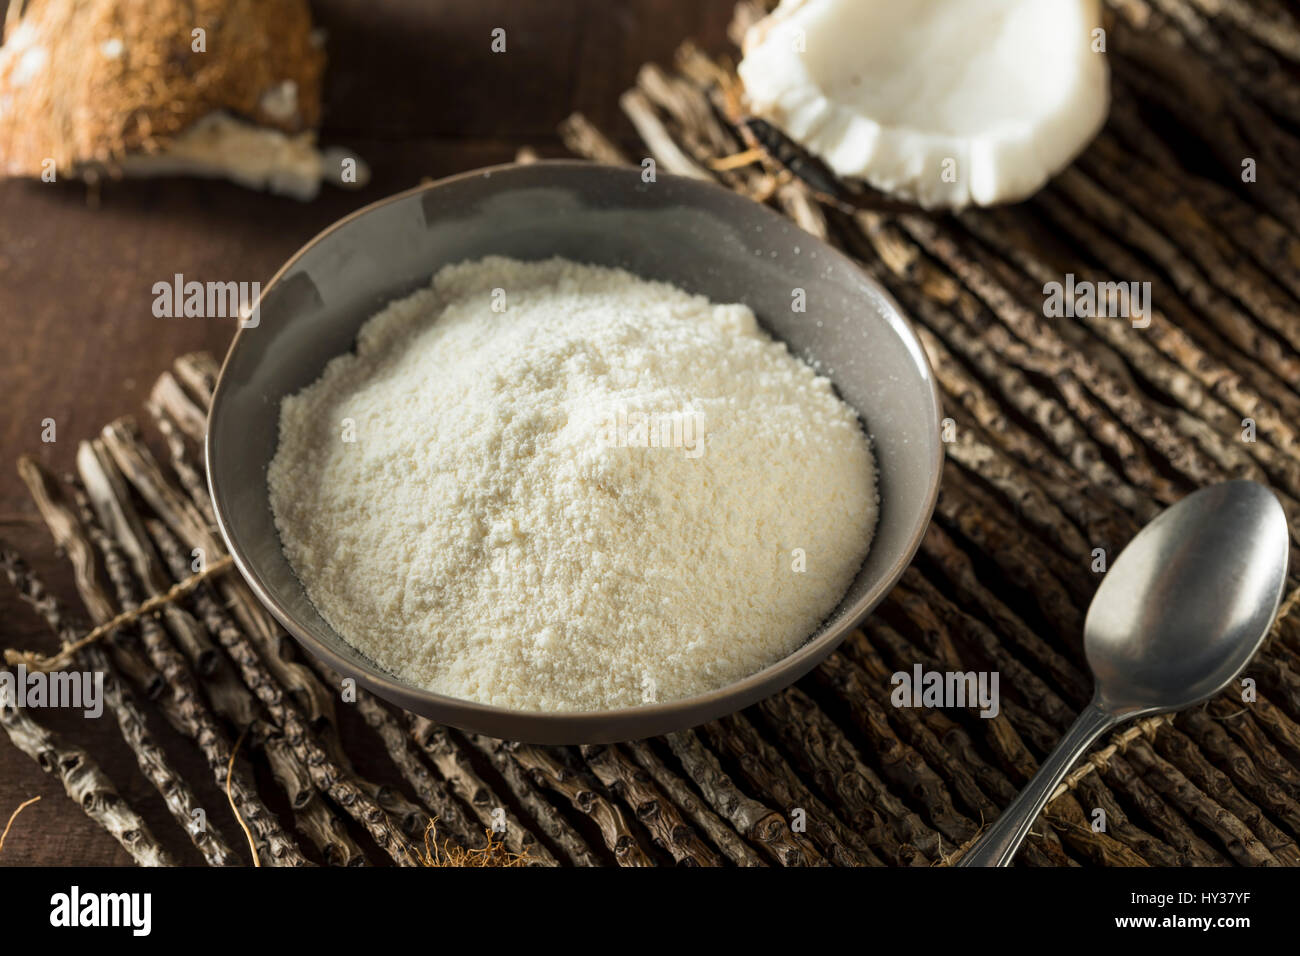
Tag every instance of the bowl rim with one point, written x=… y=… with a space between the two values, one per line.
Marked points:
x=594 y=726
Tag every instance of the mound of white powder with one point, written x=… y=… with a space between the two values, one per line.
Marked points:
x=551 y=486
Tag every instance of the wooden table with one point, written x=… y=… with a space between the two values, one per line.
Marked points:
x=412 y=86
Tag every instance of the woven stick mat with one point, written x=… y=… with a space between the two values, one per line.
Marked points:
x=1064 y=437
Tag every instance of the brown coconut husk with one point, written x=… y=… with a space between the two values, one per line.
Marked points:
x=86 y=82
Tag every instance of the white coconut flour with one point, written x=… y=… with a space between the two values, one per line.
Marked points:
x=551 y=486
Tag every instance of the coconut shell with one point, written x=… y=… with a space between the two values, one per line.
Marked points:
x=87 y=82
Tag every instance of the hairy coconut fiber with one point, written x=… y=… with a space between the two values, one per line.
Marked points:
x=86 y=82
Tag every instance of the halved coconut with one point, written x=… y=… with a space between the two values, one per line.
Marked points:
x=939 y=102
x=141 y=87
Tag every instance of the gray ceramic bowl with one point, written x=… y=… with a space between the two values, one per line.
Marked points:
x=695 y=235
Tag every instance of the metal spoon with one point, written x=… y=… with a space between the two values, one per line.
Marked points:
x=1178 y=615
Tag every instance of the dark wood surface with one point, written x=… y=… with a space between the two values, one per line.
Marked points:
x=415 y=89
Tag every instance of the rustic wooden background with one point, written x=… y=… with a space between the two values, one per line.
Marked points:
x=414 y=88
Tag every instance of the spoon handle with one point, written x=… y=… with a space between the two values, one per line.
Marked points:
x=1003 y=838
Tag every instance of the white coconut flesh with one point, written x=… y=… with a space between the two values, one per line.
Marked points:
x=940 y=102
x=220 y=146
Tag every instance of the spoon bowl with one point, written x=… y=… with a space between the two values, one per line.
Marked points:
x=1177 y=617
x=1189 y=601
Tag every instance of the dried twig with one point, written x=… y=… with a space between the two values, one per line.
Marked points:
x=766 y=769
x=450 y=760
x=550 y=773
x=661 y=819
x=312 y=816
x=153 y=761
x=182 y=702
x=759 y=824
x=553 y=825
x=186 y=520
x=713 y=826
x=198 y=372
x=822 y=751
x=84 y=782
x=343 y=787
